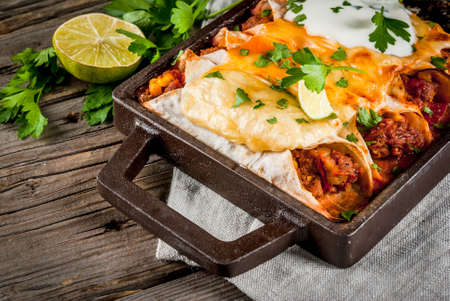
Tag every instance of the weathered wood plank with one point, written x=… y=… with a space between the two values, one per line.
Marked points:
x=39 y=13
x=198 y=286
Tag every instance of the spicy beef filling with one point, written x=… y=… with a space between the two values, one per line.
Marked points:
x=323 y=170
x=394 y=145
x=430 y=91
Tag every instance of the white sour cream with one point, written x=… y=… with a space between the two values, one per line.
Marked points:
x=351 y=27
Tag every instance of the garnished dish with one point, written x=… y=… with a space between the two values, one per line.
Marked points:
x=327 y=100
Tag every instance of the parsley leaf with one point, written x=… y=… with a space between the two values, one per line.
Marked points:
x=282 y=103
x=439 y=62
x=352 y=138
x=428 y=110
x=241 y=97
x=339 y=55
x=259 y=104
x=266 y=13
x=367 y=119
x=272 y=120
x=336 y=9
x=382 y=36
x=98 y=105
x=342 y=82
x=375 y=166
x=262 y=61
x=348 y=215
x=38 y=74
x=301 y=120
x=244 y=51
x=216 y=74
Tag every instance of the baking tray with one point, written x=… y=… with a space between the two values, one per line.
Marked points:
x=287 y=221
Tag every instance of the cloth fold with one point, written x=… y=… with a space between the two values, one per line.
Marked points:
x=411 y=263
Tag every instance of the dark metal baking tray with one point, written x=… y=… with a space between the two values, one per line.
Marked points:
x=287 y=221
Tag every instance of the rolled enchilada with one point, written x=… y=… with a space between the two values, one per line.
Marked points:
x=235 y=97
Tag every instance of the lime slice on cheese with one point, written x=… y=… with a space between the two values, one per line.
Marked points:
x=315 y=105
x=90 y=49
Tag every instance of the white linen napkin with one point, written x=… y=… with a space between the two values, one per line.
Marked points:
x=411 y=263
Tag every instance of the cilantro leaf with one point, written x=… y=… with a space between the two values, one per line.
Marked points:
x=241 y=97
x=301 y=120
x=140 y=45
x=182 y=17
x=216 y=74
x=272 y=120
x=439 y=62
x=342 y=82
x=299 y=19
x=367 y=119
x=396 y=170
x=370 y=142
x=428 y=110
x=339 y=55
x=19 y=100
x=259 y=104
x=98 y=104
x=244 y=52
x=381 y=35
x=266 y=13
x=352 y=138
x=262 y=61
x=346 y=3
x=375 y=166
x=315 y=76
x=282 y=103
x=348 y=215
x=336 y=9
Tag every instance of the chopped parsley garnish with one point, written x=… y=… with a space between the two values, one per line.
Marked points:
x=301 y=120
x=286 y=64
x=272 y=120
x=384 y=27
x=313 y=71
x=420 y=38
x=345 y=123
x=352 y=138
x=415 y=149
x=346 y=3
x=299 y=19
x=278 y=88
x=175 y=60
x=216 y=74
x=236 y=28
x=259 y=104
x=281 y=51
x=342 y=82
x=413 y=48
x=332 y=116
x=266 y=13
x=293 y=5
x=241 y=97
x=375 y=166
x=358 y=7
x=367 y=119
x=244 y=51
x=262 y=61
x=339 y=55
x=336 y=9
x=282 y=103
x=441 y=126
x=428 y=111
x=396 y=170
x=348 y=215
x=439 y=62
x=431 y=23
x=370 y=142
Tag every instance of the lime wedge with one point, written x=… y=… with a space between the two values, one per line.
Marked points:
x=90 y=49
x=315 y=105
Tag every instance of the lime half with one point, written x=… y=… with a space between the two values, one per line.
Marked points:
x=90 y=49
x=315 y=105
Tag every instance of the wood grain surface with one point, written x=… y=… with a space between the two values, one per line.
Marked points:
x=59 y=240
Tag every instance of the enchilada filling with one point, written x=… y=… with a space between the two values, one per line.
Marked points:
x=325 y=171
x=394 y=144
x=430 y=91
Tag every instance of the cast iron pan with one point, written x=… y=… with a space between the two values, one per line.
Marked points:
x=287 y=221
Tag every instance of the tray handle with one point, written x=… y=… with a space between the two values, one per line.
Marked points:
x=223 y=258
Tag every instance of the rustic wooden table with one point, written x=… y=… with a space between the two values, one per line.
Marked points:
x=59 y=240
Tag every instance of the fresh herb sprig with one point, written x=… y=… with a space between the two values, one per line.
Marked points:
x=38 y=74
x=382 y=36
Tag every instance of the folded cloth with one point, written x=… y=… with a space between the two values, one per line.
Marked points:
x=411 y=263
